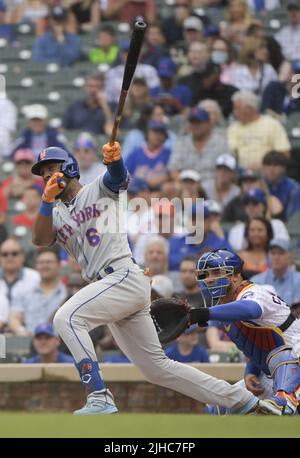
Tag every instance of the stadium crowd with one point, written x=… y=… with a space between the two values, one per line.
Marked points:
x=213 y=112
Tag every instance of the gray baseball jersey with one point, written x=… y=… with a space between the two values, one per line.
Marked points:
x=78 y=225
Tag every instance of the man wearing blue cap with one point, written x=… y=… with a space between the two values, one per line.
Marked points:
x=186 y=348
x=200 y=148
x=256 y=204
x=281 y=274
x=150 y=162
x=46 y=343
x=174 y=97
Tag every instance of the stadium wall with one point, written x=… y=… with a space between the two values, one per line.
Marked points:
x=55 y=387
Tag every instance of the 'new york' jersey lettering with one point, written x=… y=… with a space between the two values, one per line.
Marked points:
x=77 y=229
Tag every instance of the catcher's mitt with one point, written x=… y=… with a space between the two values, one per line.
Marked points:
x=172 y=316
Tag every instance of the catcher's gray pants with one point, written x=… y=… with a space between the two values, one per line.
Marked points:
x=121 y=300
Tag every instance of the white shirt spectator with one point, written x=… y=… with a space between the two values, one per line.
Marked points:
x=114 y=78
x=8 y=124
x=4 y=308
x=289 y=38
x=237 y=240
x=269 y=5
x=27 y=280
x=244 y=80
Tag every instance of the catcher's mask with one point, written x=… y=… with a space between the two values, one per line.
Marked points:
x=214 y=269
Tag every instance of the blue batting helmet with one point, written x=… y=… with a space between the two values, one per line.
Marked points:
x=226 y=263
x=69 y=165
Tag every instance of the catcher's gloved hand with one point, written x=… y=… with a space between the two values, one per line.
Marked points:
x=111 y=153
x=54 y=187
x=172 y=316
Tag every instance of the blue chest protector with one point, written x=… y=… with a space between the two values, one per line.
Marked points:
x=256 y=342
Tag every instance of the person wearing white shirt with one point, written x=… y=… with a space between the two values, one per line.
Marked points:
x=289 y=36
x=254 y=73
x=8 y=123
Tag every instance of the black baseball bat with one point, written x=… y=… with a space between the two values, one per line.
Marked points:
x=136 y=42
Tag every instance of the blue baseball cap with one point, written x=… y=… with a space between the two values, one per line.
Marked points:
x=136 y=185
x=206 y=211
x=198 y=114
x=256 y=195
x=45 y=328
x=85 y=140
x=158 y=125
x=166 y=67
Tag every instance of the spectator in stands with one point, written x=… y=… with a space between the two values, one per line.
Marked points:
x=137 y=216
x=154 y=46
x=224 y=189
x=7 y=30
x=174 y=97
x=238 y=19
x=92 y=113
x=114 y=76
x=34 y=12
x=193 y=30
x=286 y=189
x=151 y=161
x=4 y=310
x=204 y=145
x=212 y=88
x=14 y=186
x=137 y=136
x=191 y=291
x=256 y=205
x=254 y=72
x=173 y=25
x=86 y=152
x=15 y=279
x=254 y=134
x=235 y=210
x=85 y=15
x=222 y=54
x=138 y=105
x=8 y=123
x=155 y=255
x=32 y=201
x=107 y=50
x=38 y=135
x=127 y=10
x=198 y=57
x=37 y=307
x=190 y=186
x=178 y=246
x=217 y=339
x=3 y=213
x=57 y=45
x=46 y=344
x=161 y=286
x=14 y=11
x=186 y=348
x=215 y=114
x=289 y=36
x=281 y=274
x=278 y=95
x=258 y=234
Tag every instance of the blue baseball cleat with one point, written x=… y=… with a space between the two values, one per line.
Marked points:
x=102 y=404
x=279 y=404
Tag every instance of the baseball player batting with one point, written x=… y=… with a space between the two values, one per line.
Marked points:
x=118 y=294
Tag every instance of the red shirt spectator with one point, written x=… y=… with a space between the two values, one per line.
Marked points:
x=127 y=10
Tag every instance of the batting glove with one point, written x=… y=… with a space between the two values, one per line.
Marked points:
x=54 y=187
x=111 y=153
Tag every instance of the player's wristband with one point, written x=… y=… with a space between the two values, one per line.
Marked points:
x=46 y=208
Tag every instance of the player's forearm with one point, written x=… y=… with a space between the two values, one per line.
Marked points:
x=233 y=311
x=43 y=233
x=251 y=368
x=116 y=175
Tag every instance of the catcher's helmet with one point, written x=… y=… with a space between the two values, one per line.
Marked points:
x=69 y=166
x=224 y=261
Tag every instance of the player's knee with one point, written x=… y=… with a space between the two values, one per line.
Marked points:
x=60 y=321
